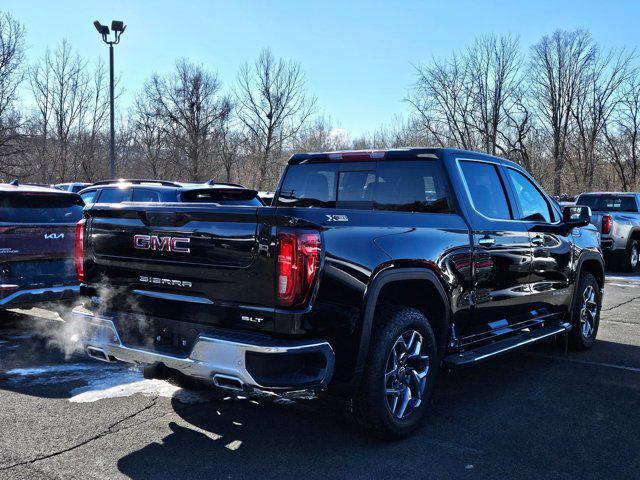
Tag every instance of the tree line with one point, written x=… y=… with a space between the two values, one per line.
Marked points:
x=566 y=109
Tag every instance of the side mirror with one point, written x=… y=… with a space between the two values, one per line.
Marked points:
x=576 y=215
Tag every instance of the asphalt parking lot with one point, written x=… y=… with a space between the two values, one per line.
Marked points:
x=538 y=413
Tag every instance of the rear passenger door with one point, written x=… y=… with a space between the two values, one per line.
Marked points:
x=501 y=252
x=550 y=242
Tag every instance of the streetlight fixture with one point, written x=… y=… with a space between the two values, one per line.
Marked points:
x=118 y=29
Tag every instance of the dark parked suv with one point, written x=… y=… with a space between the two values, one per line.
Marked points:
x=156 y=191
x=369 y=271
x=36 y=245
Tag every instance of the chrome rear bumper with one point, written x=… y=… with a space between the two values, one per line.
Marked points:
x=34 y=296
x=230 y=362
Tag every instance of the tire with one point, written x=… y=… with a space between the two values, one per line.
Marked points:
x=631 y=256
x=585 y=317
x=374 y=408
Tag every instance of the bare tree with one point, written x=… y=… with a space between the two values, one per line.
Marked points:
x=91 y=125
x=272 y=105
x=442 y=100
x=494 y=66
x=559 y=65
x=229 y=145
x=623 y=135
x=12 y=50
x=190 y=103
x=60 y=84
x=148 y=138
x=320 y=135
x=598 y=98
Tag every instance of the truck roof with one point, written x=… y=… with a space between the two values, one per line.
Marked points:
x=389 y=154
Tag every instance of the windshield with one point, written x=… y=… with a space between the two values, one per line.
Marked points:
x=40 y=208
x=609 y=203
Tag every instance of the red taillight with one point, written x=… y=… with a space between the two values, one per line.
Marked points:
x=298 y=263
x=607 y=224
x=79 y=250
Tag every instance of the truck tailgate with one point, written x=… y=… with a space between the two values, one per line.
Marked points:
x=192 y=262
x=34 y=256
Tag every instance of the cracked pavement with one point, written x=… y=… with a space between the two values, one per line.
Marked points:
x=532 y=414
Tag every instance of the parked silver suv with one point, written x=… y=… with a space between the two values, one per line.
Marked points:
x=617 y=216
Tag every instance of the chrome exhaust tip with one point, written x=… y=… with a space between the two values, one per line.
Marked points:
x=228 y=382
x=98 y=354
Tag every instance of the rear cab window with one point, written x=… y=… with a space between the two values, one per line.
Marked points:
x=608 y=203
x=390 y=185
x=113 y=195
x=39 y=208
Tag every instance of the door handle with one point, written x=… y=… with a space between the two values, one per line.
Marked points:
x=486 y=241
x=538 y=241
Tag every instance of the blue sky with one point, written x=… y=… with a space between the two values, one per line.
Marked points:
x=357 y=55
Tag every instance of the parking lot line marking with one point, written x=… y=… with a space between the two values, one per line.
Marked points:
x=587 y=362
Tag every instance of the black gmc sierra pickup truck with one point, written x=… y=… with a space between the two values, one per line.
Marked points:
x=370 y=271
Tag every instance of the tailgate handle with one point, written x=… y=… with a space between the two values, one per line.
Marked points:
x=164 y=219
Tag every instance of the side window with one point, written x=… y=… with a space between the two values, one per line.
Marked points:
x=144 y=195
x=113 y=195
x=411 y=186
x=533 y=205
x=486 y=189
x=89 y=196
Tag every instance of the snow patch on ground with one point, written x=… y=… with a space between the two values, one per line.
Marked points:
x=130 y=383
x=633 y=279
x=69 y=367
x=102 y=381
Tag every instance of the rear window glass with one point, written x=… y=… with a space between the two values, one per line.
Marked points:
x=309 y=185
x=113 y=195
x=411 y=187
x=237 y=196
x=608 y=203
x=144 y=195
x=88 y=197
x=30 y=208
x=407 y=186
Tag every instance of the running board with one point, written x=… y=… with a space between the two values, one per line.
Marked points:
x=480 y=354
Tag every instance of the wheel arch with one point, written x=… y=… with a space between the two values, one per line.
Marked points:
x=389 y=282
x=593 y=263
x=634 y=234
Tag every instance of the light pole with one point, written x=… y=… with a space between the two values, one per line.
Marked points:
x=118 y=28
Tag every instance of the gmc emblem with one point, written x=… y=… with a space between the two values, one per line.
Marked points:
x=161 y=244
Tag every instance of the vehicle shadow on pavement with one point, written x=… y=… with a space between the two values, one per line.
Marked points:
x=536 y=413
x=530 y=414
